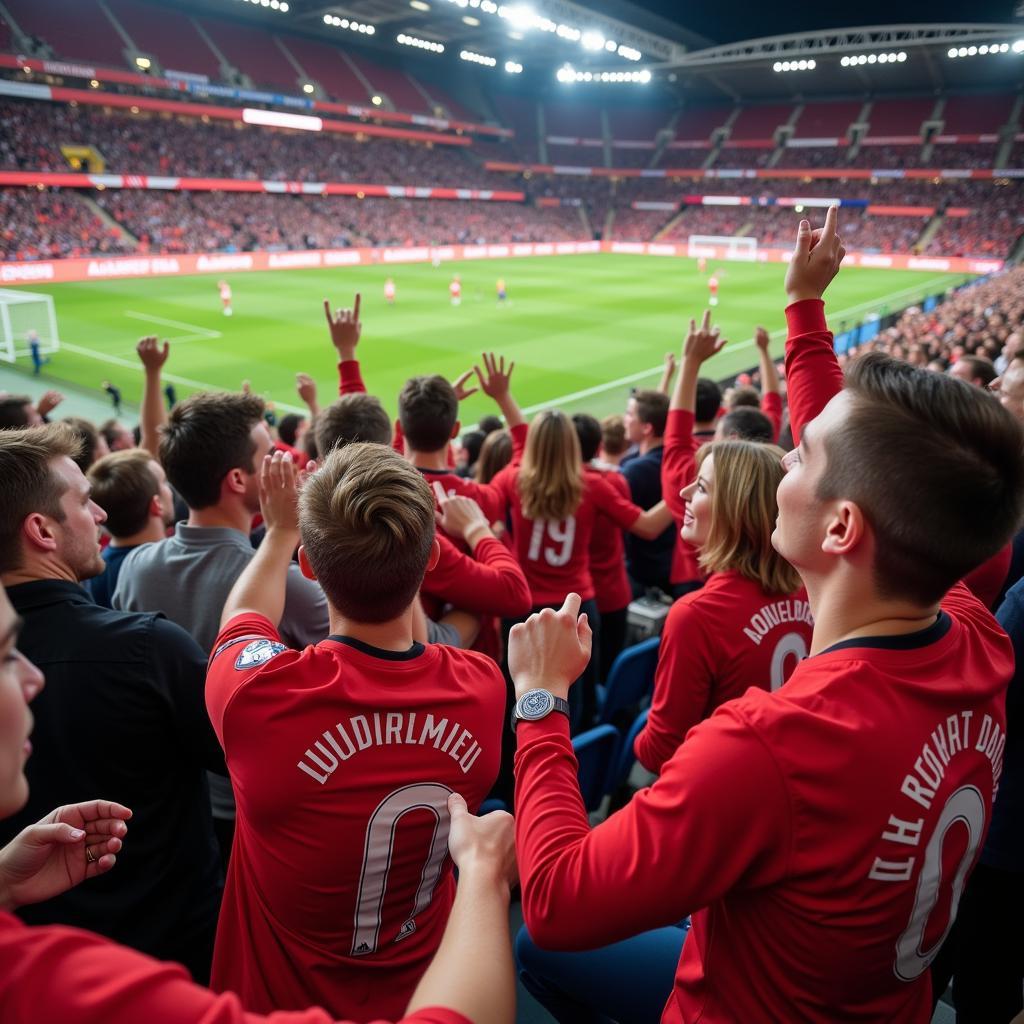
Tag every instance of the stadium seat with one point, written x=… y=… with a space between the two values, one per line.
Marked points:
x=596 y=751
x=626 y=759
x=630 y=680
x=493 y=805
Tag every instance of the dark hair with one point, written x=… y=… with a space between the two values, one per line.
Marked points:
x=89 y=436
x=428 y=411
x=472 y=442
x=709 y=400
x=588 y=430
x=367 y=523
x=652 y=408
x=355 y=417
x=744 y=397
x=958 y=457
x=207 y=435
x=288 y=427
x=489 y=424
x=495 y=455
x=123 y=486
x=29 y=484
x=12 y=412
x=746 y=424
x=981 y=369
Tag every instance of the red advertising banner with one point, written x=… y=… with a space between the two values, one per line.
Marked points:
x=99 y=269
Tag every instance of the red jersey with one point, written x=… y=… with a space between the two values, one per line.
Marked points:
x=816 y=834
x=77 y=977
x=678 y=470
x=771 y=406
x=712 y=285
x=455 y=289
x=342 y=757
x=556 y=555
x=225 y=292
x=718 y=642
x=608 y=553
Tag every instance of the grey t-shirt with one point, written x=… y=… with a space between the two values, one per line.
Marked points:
x=188 y=577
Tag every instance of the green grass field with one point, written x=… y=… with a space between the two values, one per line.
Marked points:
x=581 y=329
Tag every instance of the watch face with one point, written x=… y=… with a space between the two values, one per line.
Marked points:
x=535 y=704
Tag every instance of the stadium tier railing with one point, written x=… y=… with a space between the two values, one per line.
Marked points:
x=93 y=269
x=194 y=85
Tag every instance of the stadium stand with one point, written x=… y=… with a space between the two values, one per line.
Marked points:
x=392 y=83
x=79 y=31
x=254 y=52
x=169 y=35
x=329 y=69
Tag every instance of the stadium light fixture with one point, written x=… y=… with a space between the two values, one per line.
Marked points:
x=144 y=63
x=419 y=5
x=592 y=40
x=423 y=44
x=280 y=6
x=860 y=59
x=513 y=67
x=478 y=58
x=308 y=88
x=985 y=50
x=794 y=65
x=468 y=19
x=376 y=100
x=352 y=26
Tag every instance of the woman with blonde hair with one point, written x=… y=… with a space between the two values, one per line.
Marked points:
x=554 y=506
x=750 y=623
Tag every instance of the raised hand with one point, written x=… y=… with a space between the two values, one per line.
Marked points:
x=816 y=260
x=670 y=364
x=704 y=342
x=551 y=649
x=762 y=339
x=152 y=354
x=49 y=402
x=461 y=391
x=460 y=516
x=306 y=387
x=496 y=382
x=485 y=844
x=279 y=486
x=71 y=844
x=345 y=328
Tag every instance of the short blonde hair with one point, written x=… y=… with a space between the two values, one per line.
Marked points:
x=367 y=524
x=743 y=513
x=551 y=476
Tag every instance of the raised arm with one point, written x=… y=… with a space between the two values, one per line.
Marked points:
x=495 y=383
x=771 y=392
x=306 y=387
x=153 y=416
x=665 y=384
x=472 y=971
x=678 y=457
x=261 y=588
x=345 y=329
x=813 y=374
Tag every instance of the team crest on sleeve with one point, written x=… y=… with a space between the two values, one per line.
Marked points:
x=257 y=653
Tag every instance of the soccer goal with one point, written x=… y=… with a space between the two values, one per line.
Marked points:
x=20 y=314
x=722 y=247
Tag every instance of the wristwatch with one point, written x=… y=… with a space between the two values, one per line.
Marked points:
x=537 y=704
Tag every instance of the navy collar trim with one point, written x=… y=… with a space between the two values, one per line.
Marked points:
x=904 y=642
x=378 y=652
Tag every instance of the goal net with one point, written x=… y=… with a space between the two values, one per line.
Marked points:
x=722 y=247
x=21 y=313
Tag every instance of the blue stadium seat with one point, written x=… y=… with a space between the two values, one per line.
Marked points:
x=626 y=757
x=596 y=751
x=493 y=805
x=629 y=682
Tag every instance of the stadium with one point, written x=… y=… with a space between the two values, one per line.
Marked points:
x=714 y=550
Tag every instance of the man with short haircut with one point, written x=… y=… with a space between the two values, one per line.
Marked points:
x=92 y=444
x=291 y=429
x=648 y=562
x=745 y=424
x=347 y=751
x=118 y=437
x=131 y=487
x=211 y=449
x=976 y=370
x=352 y=417
x=820 y=835
x=122 y=714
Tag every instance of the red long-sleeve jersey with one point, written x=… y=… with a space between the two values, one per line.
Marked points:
x=608 y=553
x=819 y=835
x=678 y=469
x=57 y=973
x=717 y=642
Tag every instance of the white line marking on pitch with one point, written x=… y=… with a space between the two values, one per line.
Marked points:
x=198 y=333
x=173 y=378
x=631 y=378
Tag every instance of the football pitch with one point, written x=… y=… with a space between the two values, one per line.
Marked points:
x=581 y=329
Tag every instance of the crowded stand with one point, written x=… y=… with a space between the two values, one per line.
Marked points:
x=678 y=700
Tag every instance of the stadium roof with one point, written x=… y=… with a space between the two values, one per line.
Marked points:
x=622 y=36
